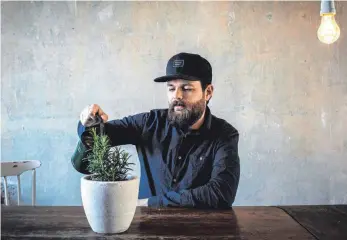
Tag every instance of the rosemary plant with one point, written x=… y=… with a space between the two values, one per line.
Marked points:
x=107 y=163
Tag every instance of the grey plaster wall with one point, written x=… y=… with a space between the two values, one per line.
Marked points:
x=274 y=81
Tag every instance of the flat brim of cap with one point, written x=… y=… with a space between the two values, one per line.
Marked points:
x=177 y=76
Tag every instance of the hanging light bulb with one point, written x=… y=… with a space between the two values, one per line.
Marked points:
x=328 y=31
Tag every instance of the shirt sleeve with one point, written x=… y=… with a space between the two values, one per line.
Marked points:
x=127 y=130
x=220 y=191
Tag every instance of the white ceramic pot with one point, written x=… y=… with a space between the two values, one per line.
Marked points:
x=109 y=206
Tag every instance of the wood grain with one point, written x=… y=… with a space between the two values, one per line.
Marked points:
x=324 y=222
x=27 y=222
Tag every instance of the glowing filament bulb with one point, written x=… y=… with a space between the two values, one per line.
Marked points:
x=328 y=31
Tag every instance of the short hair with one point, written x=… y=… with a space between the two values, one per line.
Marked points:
x=204 y=86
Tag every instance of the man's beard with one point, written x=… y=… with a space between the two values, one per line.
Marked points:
x=189 y=115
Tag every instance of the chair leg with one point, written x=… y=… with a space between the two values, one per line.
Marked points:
x=34 y=188
x=6 y=192
x=18 y=190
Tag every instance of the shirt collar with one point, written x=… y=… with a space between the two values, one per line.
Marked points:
x=206 y=126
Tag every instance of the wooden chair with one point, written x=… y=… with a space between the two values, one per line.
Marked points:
x=16 y=169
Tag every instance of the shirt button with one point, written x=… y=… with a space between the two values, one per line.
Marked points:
x=200 y=158
x=174 y=180
x=179 y=157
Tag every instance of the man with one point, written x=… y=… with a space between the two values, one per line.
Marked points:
x=189 y=157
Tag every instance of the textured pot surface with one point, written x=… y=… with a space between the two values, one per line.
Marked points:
x=109 y=206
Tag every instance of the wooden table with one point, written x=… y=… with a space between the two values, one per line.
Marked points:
x=323 y=222
x=26 y=222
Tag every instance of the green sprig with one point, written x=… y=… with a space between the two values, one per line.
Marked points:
x=107 y=163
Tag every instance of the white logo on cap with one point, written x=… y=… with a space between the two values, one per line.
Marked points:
x=178 y=63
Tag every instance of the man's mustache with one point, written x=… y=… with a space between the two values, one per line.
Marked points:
x=177 y=104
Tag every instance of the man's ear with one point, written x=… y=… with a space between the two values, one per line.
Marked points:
x=209 y=92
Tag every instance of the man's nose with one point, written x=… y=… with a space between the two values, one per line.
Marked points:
x=178 y=94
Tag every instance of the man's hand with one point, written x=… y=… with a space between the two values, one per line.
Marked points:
x=88 y=115
x=142 y=202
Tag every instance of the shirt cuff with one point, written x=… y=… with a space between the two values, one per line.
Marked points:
x=155 y=201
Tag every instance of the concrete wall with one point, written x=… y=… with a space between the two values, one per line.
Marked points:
x=274 y=81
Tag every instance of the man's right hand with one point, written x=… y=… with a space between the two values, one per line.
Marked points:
x=88 y=115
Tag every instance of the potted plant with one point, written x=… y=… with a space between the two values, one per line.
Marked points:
x=109 y=194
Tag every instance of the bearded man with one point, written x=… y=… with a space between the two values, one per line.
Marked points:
x=188 y=157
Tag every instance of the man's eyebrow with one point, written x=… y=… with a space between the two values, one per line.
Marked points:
x=188 y=84
x=181 y=85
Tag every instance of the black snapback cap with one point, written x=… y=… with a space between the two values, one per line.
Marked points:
x=187 y=66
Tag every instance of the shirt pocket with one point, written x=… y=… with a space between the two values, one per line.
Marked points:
x=198 y=168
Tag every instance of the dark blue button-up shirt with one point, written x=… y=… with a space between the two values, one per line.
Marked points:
x=199 y=168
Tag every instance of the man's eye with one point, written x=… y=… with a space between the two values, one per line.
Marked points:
x=171 y=89
x=187 y=89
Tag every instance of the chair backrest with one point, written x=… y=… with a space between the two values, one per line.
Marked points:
x=16 y=168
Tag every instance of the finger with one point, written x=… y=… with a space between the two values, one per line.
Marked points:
x=93 y=109
x=104 y=117
x=100 y=111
